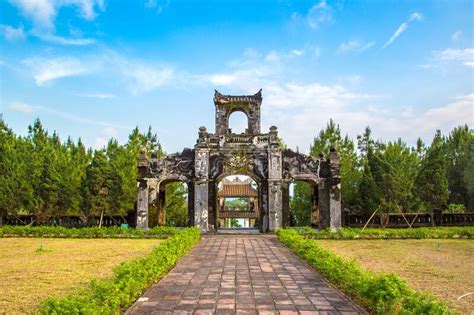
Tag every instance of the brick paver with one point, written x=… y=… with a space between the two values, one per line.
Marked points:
x=242 y=274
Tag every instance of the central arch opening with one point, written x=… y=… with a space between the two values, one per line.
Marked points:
x=238 y=122
x=238 y=205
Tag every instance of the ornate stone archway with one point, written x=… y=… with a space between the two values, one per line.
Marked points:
x=252 y=153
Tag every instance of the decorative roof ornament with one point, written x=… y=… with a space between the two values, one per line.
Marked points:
x=220 y=99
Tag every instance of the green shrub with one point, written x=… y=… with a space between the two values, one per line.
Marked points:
x=114 y=295
x=92 y=232
x=371 y=233
x=455 y=208
x=381 y=294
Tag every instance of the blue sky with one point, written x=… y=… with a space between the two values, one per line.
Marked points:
x=95 y=68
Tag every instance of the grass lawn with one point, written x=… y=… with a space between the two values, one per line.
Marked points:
x=443 y=267
x=33 y=269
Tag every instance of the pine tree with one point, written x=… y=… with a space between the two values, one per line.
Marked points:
x=431 y=182
x=350 y=172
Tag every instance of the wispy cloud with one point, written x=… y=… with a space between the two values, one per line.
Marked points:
x=464 y=56
x=11 y=33
x=145 y=78
x=64 y=40
x=28 y=109
x=402 y=28
x=456 y=36
x=22 y=107
x=157 y=5
x=47 y=70
x=317 y=15
x=101 y=96
x=43 y=13
x=448 y=57
x=354 y=46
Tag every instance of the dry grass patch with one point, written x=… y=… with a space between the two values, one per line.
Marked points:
x=33 y=269
x=443 y=267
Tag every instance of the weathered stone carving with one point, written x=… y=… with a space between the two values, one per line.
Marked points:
x=252 y=153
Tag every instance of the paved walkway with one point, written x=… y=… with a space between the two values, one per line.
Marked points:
x=242 y=274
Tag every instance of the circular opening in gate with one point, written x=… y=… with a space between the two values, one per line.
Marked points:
x=238 y=204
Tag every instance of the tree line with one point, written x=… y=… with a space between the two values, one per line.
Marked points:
x=393 y=176
x=43 y=176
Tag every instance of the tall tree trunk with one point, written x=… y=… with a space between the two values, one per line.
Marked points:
x=101 y=218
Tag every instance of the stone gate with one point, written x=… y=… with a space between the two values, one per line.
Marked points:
x=252 y=153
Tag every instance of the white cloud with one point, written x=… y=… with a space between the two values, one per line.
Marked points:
x=108 y=128
x=456 y=36
x=144 y=78
x=464 y=56
x=251 y=53
x=354 y=46
x=402 y=28
x=110 y=131
x=159 y=6
x=43 y=13
x=22 y=107
x=297 y=52
x=100 y=143
x=300 y=128
x=11 y=33
x=46 y=70
x=415 y=16
x=64 y=40
x=319 y=14
x=222 y=79
x=272 y=56
x=98 y=95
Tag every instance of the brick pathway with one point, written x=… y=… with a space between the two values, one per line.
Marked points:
x=242 y=274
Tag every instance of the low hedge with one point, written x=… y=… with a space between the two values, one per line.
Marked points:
x=92 y=232
x=370 y=233
x=379 y=293
x=116 y=294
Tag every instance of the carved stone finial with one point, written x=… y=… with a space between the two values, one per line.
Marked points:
x=273 y=129
x=142 y=154
x=333 y=148
x=321 y=154
x=202 y=129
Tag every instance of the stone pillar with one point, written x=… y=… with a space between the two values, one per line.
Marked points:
x=263 y=199
x=201 y=189
x=286 y=204
x=275 y=194
x=323 y=204
x=142 y=194
x=314 y=206
x=161 y=204
x=212 y=206
x=142 y=205
x=335 y=191
x=190 y=203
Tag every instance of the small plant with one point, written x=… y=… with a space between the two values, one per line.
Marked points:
x=439 y=246
x=40 y=248
x=380 y=293
x=116 y=294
